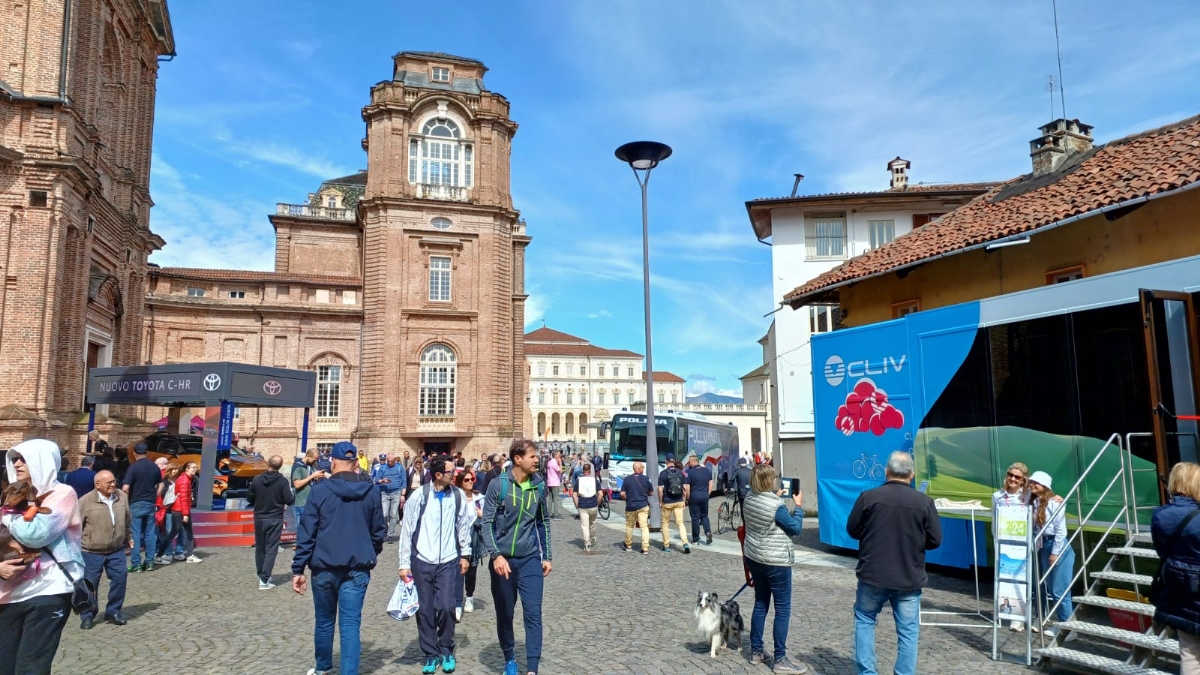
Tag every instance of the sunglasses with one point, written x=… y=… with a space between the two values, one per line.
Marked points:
x=468 y=480
x=1017 y=476
x=17 y=458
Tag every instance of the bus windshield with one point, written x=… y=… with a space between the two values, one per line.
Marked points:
x=628 y=438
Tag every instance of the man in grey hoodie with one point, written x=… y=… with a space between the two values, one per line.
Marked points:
x=516 y=535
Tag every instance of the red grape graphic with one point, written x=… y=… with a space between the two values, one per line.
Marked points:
x=867 y=409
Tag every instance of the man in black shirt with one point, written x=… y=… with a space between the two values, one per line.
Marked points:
x=699 y=481
x=636 y=490
x=895 y=525
x=671 y=484
x=141 y=484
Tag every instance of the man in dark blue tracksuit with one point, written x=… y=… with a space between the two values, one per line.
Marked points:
x=516 y=535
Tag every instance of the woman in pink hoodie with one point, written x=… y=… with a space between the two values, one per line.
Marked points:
x=35 y=599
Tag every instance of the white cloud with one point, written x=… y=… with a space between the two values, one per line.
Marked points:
x=706 y=384
x=535 y=309
x=288 y=157
x=202 y=231
x=601 y=314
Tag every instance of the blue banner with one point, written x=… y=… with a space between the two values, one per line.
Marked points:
x=225 y=430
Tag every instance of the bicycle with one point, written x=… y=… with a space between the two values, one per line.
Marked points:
x=867 y=465
x=603 y=509
x=728 y=514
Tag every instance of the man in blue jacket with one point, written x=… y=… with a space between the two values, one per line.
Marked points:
x=340 y=534
x=636 y=490
x=516 y=535
x=392 y=480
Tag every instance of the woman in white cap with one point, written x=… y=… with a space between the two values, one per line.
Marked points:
x=1015 y=492
x=1050 y=538
x=35 y=599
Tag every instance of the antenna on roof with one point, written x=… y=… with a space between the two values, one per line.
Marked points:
x=1050 y=88
x=1062 y=96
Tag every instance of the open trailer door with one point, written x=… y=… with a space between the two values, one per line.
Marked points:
x=1169 y=320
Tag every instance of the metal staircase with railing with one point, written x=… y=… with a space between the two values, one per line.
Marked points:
x=1145 y=652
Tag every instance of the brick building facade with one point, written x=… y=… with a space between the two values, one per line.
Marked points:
x=402 y=286
x=77 y=98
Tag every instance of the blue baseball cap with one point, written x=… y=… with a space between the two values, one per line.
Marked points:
x=344 y=450
x=670 y=457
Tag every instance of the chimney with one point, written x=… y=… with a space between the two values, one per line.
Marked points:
x=1060 y=139
x=899 y=169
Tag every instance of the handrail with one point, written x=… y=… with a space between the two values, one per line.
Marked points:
x=1076 y=493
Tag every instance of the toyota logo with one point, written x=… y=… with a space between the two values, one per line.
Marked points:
x=272 y=388
x=212 y=381
x=835 y=370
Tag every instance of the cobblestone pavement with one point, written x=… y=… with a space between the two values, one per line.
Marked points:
x=604 y=612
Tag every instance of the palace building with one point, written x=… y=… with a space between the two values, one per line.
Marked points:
x=76 y=121
x=402 y=286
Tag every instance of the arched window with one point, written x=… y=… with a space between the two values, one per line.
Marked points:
x=541 y=424
x=570 y=428
x=554 y=424
x=440 y=156
x=439 y=374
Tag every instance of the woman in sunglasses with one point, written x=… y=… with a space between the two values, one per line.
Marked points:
x=35 y=599
x=1015 y=492
x=467 y=481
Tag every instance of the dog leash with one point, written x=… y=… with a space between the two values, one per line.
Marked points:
x=744 y=586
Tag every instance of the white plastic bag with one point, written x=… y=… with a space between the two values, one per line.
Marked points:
x=404 y=601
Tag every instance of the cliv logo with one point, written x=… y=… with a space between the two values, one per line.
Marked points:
x=836 y=370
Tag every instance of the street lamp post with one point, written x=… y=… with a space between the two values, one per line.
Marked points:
x=642 y=156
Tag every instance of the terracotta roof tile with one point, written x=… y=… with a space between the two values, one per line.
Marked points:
x=547 y=349
x=251 y=276
x=1154 y=161
x=914 y=188
x=664 y=376
x=544 y=334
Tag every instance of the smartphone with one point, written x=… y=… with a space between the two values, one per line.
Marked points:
x=795 y=486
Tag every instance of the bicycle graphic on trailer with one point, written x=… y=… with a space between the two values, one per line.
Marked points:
x=868 y=465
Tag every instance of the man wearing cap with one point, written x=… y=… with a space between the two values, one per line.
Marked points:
x=141 y=484
x=894 y=525
x=340 y=535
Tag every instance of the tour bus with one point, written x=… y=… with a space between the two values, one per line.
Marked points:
x=1044 y=376
x=680 y=434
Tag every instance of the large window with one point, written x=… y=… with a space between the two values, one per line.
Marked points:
x=329 y=389
x=825 y=238
x=881 y=232
x=439 y=157
x=439 y=375
x=439 y=279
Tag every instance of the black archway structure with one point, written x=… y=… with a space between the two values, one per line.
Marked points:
x=218 y=387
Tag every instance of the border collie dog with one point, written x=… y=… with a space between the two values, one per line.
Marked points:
x=719 y=623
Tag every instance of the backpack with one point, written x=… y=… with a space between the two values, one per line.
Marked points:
x=421 y=517
x=674 y=484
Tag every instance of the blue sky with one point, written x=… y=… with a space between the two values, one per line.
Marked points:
x=263 y=102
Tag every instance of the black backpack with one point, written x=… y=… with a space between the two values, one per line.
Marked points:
x=674 y=484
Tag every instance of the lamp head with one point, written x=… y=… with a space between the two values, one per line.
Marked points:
x=643 y=155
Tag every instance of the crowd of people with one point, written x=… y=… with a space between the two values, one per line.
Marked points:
x=449 y=515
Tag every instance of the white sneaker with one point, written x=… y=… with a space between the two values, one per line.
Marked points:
x=314 y=671
x=162 y=560
x=1018 y=626
x=469 y=605
x=458 y=614
x=265 y=585
x=192 y=559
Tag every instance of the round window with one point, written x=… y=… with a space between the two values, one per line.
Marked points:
x=441 y=223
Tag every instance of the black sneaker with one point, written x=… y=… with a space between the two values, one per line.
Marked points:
x=708 y=538
x=645 y=551
x=687 y=549
x=628 y=548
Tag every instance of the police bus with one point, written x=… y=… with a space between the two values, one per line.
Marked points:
x=678 y=433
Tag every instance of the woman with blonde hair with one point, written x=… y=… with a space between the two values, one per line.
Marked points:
x=1014 y=492
x=1050 y=540
x=1177 y=540
x=769 y=557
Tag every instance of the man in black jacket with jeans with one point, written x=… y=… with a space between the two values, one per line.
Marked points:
x=895 y=525
x=269 y=494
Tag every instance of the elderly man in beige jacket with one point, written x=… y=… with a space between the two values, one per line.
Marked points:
x=107 y=531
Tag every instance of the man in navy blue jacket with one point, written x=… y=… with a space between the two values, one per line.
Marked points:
x=635 y=490
x=340 y=534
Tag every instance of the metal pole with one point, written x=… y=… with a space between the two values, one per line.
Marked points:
x=91 y=427
x=304 y=433
x=651 y=430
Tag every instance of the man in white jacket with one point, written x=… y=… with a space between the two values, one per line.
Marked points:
x=435 y=548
